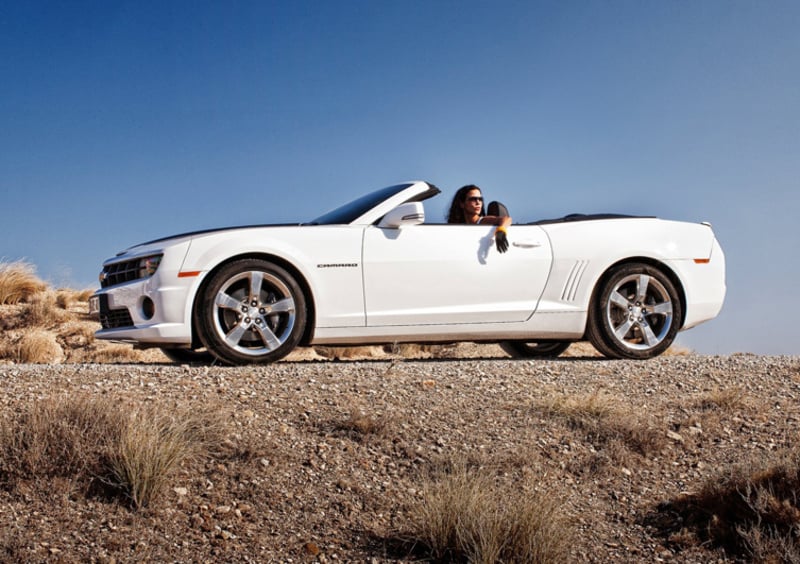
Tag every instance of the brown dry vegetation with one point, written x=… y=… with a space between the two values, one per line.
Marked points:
x=681 y=459
x=18 y=282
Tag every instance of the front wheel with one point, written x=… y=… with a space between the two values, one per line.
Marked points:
x=534 y=349
x=636 y=313
x=251 y=311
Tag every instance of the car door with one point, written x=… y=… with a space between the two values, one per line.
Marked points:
x=451 y=274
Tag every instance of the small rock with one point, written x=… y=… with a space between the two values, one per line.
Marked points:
x=674 y=436
x=312 y=549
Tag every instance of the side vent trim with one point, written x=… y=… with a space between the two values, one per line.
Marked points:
x=573 y=281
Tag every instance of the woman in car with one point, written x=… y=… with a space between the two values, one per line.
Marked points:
x=467 y=208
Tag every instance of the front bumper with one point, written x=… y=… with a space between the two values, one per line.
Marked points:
x=154 y=310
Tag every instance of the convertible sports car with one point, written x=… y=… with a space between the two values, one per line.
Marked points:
x=373 y=271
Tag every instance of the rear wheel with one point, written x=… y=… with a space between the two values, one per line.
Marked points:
x=534 y=349
x=251 y=311
x=636 y=313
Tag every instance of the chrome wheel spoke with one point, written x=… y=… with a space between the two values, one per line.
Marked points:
x=641 y=288
x=225 y=301
x=619 y=300
x=235 y=335
x=285 y=305
x=649 y=337
x=623 y=329
x=256 y=280
x=268 y=336
x=664 y=308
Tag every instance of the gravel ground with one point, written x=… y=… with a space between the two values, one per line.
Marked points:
x=326 y=456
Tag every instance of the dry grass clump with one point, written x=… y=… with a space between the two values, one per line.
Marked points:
x=346 y=353
x=36 y=346
x=403 y=350
x=751 y=510
x=155 y=443
x=57 y=437
x=77 y=334
x=415 y=350
x=360 y=425
x=733 y=398
x=42 y=310
x=466 y=515
x=67 y=298
x=113 y=353
x=18 y=282
x=131 y=453
x=605 y=422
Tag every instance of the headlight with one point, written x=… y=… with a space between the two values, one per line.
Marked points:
x=149 y=265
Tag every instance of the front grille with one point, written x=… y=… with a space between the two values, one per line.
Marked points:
x=113 y=318
x=120 y=272
x=129 y=270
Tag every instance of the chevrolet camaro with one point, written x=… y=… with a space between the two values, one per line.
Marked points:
x=375 y=271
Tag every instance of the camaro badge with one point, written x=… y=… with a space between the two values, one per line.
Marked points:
x=338 y=265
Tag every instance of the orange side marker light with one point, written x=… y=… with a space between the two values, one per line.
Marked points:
x=702 y=261
x=188 y=274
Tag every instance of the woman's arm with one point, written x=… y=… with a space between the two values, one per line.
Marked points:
x=503 y=221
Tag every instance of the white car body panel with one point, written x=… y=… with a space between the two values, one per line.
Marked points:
x=421 y=283
x=451 y=274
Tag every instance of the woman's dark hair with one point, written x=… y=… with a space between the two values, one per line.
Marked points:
x=456 y=214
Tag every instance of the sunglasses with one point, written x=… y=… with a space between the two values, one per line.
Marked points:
x=475 y=199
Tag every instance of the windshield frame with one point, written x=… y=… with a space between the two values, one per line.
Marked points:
x=349 y=212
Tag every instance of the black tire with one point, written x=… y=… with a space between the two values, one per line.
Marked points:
x=251 y=312
x=636 y=313
x=534 y=349
x=188 y=356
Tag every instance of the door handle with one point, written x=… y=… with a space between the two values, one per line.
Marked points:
x=526 y=244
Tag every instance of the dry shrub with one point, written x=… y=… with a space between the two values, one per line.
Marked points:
x=467 y=516
x=37 y=346
x=404 y=350
x=18 y=282
x=605 y=422
x=58 y=437
x=348 y=353
x=77 y=334
x=733 y=398
x=416 y=350
x=359 y=425
x=113 y=353
x=42 y=310
x=132 y=452
x=677 y=350
x=67 y=298
x=751 y=510
x=155 y=443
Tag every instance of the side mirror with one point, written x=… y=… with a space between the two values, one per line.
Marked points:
x=411 y=213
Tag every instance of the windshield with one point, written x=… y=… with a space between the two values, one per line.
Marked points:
x=350 y=212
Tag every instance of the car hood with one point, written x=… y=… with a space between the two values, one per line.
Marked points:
x=189 y=235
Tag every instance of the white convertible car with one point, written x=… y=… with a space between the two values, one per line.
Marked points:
x=374 y=271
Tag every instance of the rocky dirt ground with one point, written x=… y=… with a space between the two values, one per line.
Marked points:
x=325 y=458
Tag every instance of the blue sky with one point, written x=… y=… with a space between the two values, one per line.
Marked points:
x=124 y=121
